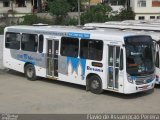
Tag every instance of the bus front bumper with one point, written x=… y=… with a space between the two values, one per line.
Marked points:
x=133 y=88
x=157 y=79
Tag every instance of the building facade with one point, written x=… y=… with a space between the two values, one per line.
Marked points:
x=19 y=7
x=15 y=6
x=146 y=9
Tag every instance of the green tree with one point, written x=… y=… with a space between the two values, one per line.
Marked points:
x=1 y=30
x=125 y=14
x=98 y=13
x=59 y=8
x=33 y=19
x=73 y=4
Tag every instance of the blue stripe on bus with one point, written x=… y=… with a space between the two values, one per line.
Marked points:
x=78 y=35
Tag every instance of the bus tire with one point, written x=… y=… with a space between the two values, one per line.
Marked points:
x=95 y=85
x=30 y=72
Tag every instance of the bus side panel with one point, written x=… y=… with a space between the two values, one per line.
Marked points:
x=40 y=71
x=10 y=62
x=75 y=70
x=72 y=69
x=16 y=59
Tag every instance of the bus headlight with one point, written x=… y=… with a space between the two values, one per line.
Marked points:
x=157 y=78
x=130 y=79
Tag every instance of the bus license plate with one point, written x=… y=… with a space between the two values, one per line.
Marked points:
x=145 y=87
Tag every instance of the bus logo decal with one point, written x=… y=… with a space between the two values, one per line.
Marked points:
x=28 y=58
x=94 y=69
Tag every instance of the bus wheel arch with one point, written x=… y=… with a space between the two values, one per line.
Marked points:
x=94 y=83
x=29 y=71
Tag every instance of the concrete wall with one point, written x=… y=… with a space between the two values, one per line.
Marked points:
x=10 y=21
x=1 y=52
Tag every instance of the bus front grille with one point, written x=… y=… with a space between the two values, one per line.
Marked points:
x=144 y=80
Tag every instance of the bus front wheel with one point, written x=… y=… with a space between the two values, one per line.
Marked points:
x=30 y=72
x=95 y=85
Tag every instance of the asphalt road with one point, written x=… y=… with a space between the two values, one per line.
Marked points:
x=19 y=95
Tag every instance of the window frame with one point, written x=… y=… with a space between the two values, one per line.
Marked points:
x=152 y=17
x=40 y=51
x=155 y=3
x=87 y=56
x=15 y=41
x=121 y=64
x=157 y=64
x=21 y=3
x=75 y=46
x=141 y=17
x=6 y=2
x=158 y=17
x=141 y=3
x=35 y=42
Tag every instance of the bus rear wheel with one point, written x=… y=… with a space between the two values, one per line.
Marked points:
x=30 y=72
x=95 y=85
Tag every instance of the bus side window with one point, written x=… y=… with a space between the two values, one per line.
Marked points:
x=29 y=42
x=41 y=39
x=157 y=59
x=69 y=46
x=91 y=49
x=121 y=60
x=13 y=40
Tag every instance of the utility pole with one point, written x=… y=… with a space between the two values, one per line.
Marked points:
x=79 y=14
x=12 y=8
x=12 y=5
x=127 y=4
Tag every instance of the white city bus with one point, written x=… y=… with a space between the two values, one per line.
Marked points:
x=99 y=59
x=145 y=27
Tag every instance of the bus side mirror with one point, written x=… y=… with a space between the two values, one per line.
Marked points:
x=121 y=60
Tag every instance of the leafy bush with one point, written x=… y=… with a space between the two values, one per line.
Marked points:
x=1 y=30
x=33 y=19
x=98 y=13
x=71 y=21
x=60 y=9
x=125 y=14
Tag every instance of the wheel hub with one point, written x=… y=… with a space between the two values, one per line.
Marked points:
x=30 y=72
x=95 y=84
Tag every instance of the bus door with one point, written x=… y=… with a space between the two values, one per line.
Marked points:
x=113 y=67
x=52 y=58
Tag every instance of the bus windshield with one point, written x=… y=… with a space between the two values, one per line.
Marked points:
x=139 y=55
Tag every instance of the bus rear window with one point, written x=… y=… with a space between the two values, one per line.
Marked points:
x=91 y=49
x=13 y=40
